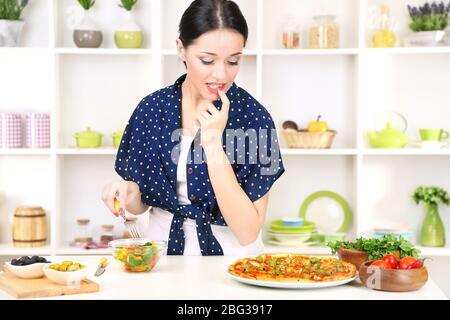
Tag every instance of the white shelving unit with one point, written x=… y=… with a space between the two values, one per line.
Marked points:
x=101 y=87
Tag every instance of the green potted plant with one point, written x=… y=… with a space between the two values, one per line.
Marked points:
x=428 y=23
x=129 y=34
x=11 y=24
x=87 y=34
x=432 y=232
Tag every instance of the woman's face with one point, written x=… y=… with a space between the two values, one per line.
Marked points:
x=213 y=61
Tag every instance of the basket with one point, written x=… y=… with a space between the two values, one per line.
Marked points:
x=309 y=140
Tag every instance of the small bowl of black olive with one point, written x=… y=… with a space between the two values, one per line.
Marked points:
x=27 y=267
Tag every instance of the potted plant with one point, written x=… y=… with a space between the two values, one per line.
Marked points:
x=432 y=232
x=129 y=34
x=10 y=23
x=87 y=34
x=428 y=23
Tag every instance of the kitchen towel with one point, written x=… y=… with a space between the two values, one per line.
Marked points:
x=37 y=130
x=10 y=130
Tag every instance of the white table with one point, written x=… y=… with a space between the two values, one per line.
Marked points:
x=206 y=278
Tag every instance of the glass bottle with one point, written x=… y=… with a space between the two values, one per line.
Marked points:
x=324 y=32
x=384 y=37
x=107 y=233
x=291 y=35
x=82 y=233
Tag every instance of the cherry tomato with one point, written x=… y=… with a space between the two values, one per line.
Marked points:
x=391 y=260
x=409 y=263
x=380 y=264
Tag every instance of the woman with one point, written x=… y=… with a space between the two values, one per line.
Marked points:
x=202 y=153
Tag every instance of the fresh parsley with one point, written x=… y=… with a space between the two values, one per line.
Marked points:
x=378 y=248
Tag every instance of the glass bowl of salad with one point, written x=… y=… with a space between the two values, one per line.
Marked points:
x=138 y=255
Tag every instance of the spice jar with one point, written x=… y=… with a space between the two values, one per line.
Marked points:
x=324 y=32
x=291 y=36
x=107 y=233
x=82 y=233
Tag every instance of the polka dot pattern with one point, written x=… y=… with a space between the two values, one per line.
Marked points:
x=149 y=154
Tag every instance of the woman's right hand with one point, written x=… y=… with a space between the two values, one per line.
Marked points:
x=128 y=194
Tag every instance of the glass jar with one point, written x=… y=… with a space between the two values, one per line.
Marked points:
x=107 y=233
x=324 y=32
x=82 y=233
x=291 y=36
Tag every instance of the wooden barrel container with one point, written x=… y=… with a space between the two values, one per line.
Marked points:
x=29 y=227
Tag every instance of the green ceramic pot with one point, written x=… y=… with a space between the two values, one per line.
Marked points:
x=128 y=39
x=433 y=232
x=117 y=138
x=88 y=139
x=129 y=34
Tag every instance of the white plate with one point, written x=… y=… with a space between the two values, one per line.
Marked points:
x=430 y=144
x=328 y=210
x=292 y=285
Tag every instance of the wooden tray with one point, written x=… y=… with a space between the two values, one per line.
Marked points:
x=42 y=287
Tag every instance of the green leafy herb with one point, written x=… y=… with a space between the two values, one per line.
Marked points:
x=378 y=248
x=431 y=196
x=87 y=4
x=12 y=9
x=127 y=4
x=429 y=17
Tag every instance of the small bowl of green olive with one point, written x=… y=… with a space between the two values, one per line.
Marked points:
x=67 y=272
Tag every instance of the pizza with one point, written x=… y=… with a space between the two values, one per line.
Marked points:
x=292 y=268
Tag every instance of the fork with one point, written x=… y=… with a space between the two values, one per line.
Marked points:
x=130 y=225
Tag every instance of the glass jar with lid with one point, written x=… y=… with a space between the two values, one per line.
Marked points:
x=82 y=232
x=107 y=233
x=291 y=35
x=324 y=32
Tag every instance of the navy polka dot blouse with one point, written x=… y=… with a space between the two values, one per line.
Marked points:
x=149 y=153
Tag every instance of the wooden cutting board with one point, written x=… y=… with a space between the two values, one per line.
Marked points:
x=42 y=287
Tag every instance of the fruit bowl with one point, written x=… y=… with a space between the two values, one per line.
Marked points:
x=392 y=279
x=303 y=139
x=355 y=257
x=138 y=255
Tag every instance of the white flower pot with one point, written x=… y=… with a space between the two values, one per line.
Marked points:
x=10 y=31
x=427 y=39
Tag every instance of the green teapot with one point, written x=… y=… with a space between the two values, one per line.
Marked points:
x=389 y=137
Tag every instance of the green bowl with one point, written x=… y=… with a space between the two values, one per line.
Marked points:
x=278 y=225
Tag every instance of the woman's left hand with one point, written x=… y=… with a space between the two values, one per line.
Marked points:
x=213 y=121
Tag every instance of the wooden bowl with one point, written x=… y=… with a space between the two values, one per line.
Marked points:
x=392 y=279
x=355 y=257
